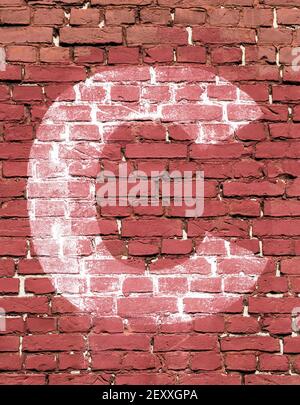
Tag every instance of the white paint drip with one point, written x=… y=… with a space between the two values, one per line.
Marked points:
x=56 y=40
x=152 y=75
x=243 y=49
x=190 y=35
x=275 y=23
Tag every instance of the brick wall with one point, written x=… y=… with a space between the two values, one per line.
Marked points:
x=149 y=295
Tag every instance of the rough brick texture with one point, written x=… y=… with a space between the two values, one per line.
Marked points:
x=139 y=294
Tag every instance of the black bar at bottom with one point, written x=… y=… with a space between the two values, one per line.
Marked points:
x=90 y=395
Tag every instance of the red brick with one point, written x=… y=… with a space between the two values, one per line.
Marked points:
x=224 y=16
x=41 y=325
x=296 y=364
x=9 y=343
x=67 y=342
x=272 y=284
x=27 y=93
x=221 y=92
x=12 y=168
x=144 y=34
x=226 y=151
x=242 y=324
x=22 y=379
x=191 y=112
x=7 y=267
x=107 y=361
x=21 y=53
x=9 y=285
x=223 y=36
x=176 y=360
x=82 y=35
x=54 y=74
x=88 y=17
x=259 y=343
x=196 y=54
x=257 y=17
x=104 y=284
x=257 y=188
x=122 y=54
x=240 y=362
x=256 y=72
x=88 y=55
x=14 y=16
x=119 y=342
x=128 y=307
x=159 y=53
x=31 y=305
x=290 y=74
x=278 y=247
x=190 y=17
x=226 y=55
x=40 y=362
x=137 y=285
x=71 y=361
x=12 y=188
x=171 y=246
x=231 y=228
x=277 y=325
x=276 y=36
x=140 y=361
x=161 y=150
x=55 y=55
x=258 y=92
x=108 y=324
x=146 y=228
x=125 y=93
x=291 y=344
x=119 y=16
x=155 y=15
x=287 y=131
x=26 y=35
x=127 y=73
x=11 y=112
x=206 y=361
x=209 y=323
x=145 y=378
x=216 y=378
x=155 y=94
x=272 y=305
x=210 y=285
x=48 y=16
x=71 y=324
x=10 y=361
x=171 y=285
x=121 y=2
x=58 y=92
x=260 y=53
x=39 y=286
x=287 y=16
x=143 y=248
x=11 y=2
x=286 y=56
x=175 y=342
x=212 y=305
x=270 y=362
